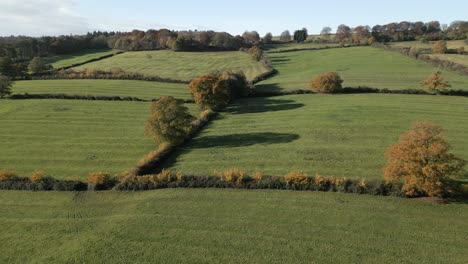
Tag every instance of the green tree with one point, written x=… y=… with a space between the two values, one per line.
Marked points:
x=37 y=66
x=5 y=86
x=268 y=38
x=285 y=36
x=300 y=35
x=7 y=67
x=170 y=121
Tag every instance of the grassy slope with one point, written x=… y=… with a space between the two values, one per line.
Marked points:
x=180 y=65
x=61 y=61
x=460 y=59
x=228 y=226
x=141 y=89
x=293 y=45
x=360 y=66
x=68 y=138
x=452 y=44
x=340 y=135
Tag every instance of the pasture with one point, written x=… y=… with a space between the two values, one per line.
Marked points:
x=68 y=138
x=179 y=65
x=451 y=44
x=140 y=89
x=359 y=66
x=228 y=226
x=460 y=59
x=336 y=135
x=276 y=47
x=60 y=61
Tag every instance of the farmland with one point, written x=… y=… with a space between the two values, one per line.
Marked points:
x=228 y=226
x=360 y=66
x=339 y=135
x=453 y=44
x=140 y=89
x=60 y=61
x=180 y=65
x=67 y=138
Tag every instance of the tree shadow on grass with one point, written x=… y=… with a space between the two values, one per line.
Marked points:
x=268 y=88
x=262 y=105
x=242 y=140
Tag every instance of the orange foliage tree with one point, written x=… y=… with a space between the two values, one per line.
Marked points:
x=421 y=163
x=170 y=121
x=329 y=82
x=210 y=91
x=435 y=83
x=440 y=47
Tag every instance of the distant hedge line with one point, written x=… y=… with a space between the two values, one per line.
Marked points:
x=91 y=60
x=318 y=48
x=361 y=90
x=86 y=97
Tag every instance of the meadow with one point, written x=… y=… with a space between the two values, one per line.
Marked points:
x=140 y=89
x=179 y=65
x=60 y=61
x=359 y=66
x=69 y=139
x=335 y=135
x=460 y=59
x=452 y=44
x=228 y=226
x=277 y=47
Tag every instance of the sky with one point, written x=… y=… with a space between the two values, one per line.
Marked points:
x=64 y=17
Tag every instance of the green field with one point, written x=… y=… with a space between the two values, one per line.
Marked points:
x=452 y=44
x=60 y=61
x=228 y=226
x=337 y=135
x=67 y=138
x=460 y=59
x=140 y=89
x=360 y=66
x=293 y=45
x=180 y=65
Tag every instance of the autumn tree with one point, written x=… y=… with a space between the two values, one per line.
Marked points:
x=329 y=82
x=440 y=47
x=256 y=53
x=343 y=33
x=268 y=38
x=170 y=121
x=210 y=91
x=5 y=86
x=435 y=83
x=421 y=163
x=285 y=36
x=361 y=33
x=371 y=40
x=251 y=37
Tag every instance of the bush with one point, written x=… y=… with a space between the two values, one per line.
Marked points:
x=371 y=40
x=256 y=53
x=440 y=47
x=100 y=181
x=211 y=91
x=37 y=176
x=329 y=82
x=234 y=176
x=7 y=175
x=5 y=86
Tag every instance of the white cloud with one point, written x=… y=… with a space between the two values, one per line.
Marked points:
x=40 y=17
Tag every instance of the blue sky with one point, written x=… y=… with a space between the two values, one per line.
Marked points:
x=52 y=17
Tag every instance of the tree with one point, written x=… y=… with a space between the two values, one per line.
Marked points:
x=361 y=33
x=210 y=91
x=5 y=86
x=326 y=31
x=170 y=121
x=435 y=83
x=251 y=37
x=268 y=38
x=343 y=33
x=300 y=35
x=256 y=53
x=6 y=67
x=328 y=82
x=37 y=66
x=285 y=36
x=421 y=163
x=371 y=40
x=440 y=47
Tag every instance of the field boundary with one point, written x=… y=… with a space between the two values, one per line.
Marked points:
x=86 y=97
x=89 y=61
x=362 y=90
x=321 y=48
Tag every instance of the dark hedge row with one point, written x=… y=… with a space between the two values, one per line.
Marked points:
x=318 y=48
x=46 y=184
x=89 y=61
x=86 y=97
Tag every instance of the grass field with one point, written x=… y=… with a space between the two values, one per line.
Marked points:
x=360 y=66
x=60 y=61
x=67 y=138
x=293 y=45
x=339 y=135
x=140 y=89
x=180 y=65
x=452 y=44
x=460 y=59
x=228 y=226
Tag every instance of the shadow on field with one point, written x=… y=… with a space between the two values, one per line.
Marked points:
x=242 y=140
x=261 y=105
x=272 y=87
x=280 y=60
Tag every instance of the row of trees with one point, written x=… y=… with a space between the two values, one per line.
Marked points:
x=12 y=69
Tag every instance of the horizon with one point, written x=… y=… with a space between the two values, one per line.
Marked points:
x=36 y=18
